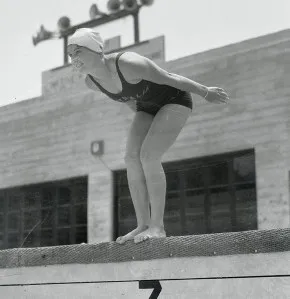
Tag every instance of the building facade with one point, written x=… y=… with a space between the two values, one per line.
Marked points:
x=227 y=171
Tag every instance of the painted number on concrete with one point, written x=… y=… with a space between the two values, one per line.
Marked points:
x=151 y=284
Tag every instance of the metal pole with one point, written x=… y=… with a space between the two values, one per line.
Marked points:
x=65 y=56
x=136 y=26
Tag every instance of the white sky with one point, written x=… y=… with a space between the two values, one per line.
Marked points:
x=189 y=27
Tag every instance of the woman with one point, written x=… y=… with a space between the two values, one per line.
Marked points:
x=162 y=102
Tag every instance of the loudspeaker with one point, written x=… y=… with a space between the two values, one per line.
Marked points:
x=95 y=12
x=42 y=35
x=147 y=2
x=130 y=5
x=63 y=24
x=114 y=5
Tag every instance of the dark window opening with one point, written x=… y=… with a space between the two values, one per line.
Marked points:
x=207 y=195
x=47 y=214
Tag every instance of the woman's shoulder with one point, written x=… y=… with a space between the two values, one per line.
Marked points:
x=127 y=63
x=130 y=56
x=124 y=58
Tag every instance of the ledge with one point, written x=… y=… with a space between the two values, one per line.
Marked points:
x=248 y=242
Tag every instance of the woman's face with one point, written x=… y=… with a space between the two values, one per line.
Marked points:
x=82 y=59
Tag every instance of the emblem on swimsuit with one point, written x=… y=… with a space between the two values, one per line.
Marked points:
x=136 y=97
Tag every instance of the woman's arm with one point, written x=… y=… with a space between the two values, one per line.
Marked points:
x=182 y=83
x=140 y=67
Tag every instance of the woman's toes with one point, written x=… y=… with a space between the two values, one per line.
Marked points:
x=137 y=239
x=142 y=238
x=120 y=240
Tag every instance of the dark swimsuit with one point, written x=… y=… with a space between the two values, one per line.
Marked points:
x=149 y=96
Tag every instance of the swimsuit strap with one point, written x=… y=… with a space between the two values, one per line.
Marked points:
x=118 y=69
x=119 y=73
x=98 y=85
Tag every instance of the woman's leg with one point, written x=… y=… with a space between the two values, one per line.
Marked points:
x=135 y=174
x=164 y=130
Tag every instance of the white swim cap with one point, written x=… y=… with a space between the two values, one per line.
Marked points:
x=86 y=37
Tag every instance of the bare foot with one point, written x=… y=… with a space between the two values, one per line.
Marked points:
x=152 y=232
x=131 y=235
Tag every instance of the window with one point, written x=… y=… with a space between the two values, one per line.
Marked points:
x=48 y=214
x=208 y=195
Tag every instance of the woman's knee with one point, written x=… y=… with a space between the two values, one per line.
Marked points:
x=148 y=155
x=132 y=157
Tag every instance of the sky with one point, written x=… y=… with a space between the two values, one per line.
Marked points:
x=189 y=27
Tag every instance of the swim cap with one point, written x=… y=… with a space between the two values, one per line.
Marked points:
x=86 y=37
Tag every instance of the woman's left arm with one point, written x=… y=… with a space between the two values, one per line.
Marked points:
x=141 y=67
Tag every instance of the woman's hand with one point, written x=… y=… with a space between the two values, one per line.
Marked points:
x=216 y=95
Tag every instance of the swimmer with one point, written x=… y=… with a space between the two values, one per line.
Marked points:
x=162 y=103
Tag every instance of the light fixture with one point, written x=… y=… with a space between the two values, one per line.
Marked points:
x=97 y=148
